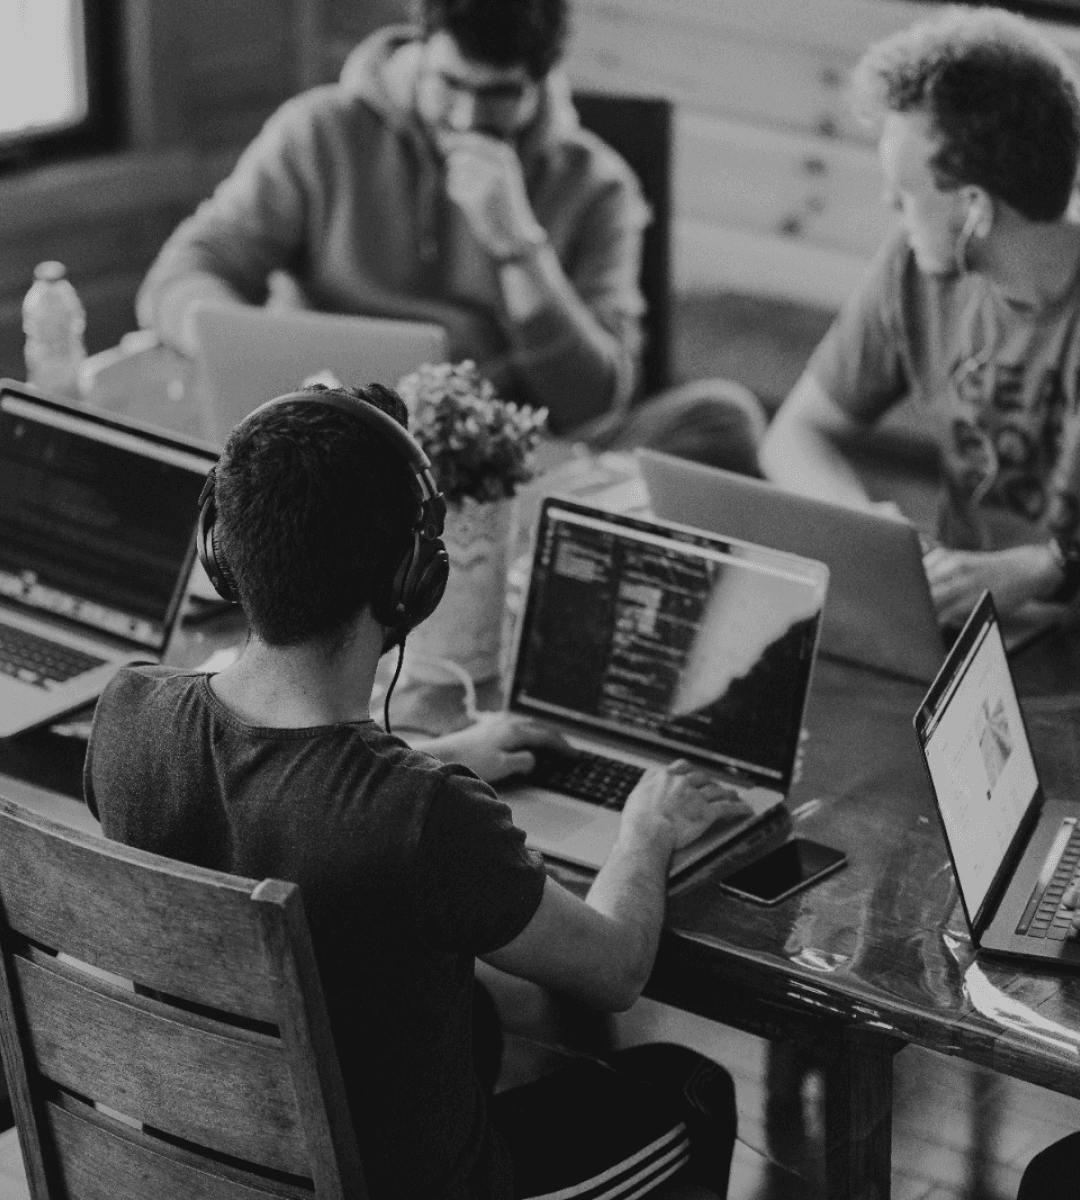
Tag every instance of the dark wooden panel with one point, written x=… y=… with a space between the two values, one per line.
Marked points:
x=243 y=59
x=348 y=19
x=99 y=1159
x=114 y=244
x=228 y=1088
x=164 y=929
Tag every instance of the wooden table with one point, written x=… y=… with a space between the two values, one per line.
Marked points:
x=876 y=957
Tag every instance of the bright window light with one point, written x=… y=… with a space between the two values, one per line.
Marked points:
x=42 y=66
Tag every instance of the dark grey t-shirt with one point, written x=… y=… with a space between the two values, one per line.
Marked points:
x=408 y=869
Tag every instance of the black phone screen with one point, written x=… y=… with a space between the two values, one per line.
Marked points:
x=794 y=865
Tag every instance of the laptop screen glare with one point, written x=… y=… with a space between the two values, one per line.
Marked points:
x=93 y=528
x=692 y=644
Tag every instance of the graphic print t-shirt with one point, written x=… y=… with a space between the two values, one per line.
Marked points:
x=998 y=383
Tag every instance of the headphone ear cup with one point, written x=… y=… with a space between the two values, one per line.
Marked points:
x=210 y=557
x=431 y=575
x=229 y=590
x=413 y=592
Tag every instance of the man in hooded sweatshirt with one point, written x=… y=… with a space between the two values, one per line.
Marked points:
x=446 y=178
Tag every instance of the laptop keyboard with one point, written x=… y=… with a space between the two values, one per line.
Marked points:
x=38 y=661
x=1045 y=916
x=586 y=776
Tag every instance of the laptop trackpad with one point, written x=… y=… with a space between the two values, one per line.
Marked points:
x=547 y=816
x=563 y=827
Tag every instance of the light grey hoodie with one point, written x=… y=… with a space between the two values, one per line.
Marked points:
x=343 y=189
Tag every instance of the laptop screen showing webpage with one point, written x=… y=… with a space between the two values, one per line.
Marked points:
x=96 y=523
x=674 y=639
x=978 y=756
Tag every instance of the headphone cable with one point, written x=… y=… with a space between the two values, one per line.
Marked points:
x=393 y=682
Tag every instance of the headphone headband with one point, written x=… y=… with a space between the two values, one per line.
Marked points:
x=374 y=418
x=382 y=425
x=417 y=585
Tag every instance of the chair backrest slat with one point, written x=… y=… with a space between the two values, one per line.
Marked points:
x=177 y=999
x=640 y=128
x=99 y=1159
x=164 y=929
x=229 y=1088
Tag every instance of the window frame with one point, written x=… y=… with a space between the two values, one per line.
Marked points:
x=102 y=128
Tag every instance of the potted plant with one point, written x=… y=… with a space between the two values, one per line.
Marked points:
x=481 y=450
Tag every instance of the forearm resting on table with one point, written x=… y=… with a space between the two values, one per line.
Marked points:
x=599 y=951
x=1040 y=575
x=802 y=448
x=168 y=310
x=571 y=363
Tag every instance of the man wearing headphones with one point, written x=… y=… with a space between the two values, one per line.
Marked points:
x=972 y=308
x=323 y=520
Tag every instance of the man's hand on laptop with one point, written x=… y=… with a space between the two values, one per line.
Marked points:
x=888 y=508
x=1071 y=899
x=958 y=578
x=497 y=746
x=676 y=802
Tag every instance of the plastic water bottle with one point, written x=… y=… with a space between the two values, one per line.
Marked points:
x=53 y=321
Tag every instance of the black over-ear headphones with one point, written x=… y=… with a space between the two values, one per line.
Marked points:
x=411 y=593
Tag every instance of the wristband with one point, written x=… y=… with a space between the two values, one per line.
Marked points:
x=524 y=248
x=1066 y=556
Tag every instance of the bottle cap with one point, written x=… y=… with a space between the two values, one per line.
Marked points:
x=50 y=271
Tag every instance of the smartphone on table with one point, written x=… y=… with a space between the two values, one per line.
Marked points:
x=784 y=871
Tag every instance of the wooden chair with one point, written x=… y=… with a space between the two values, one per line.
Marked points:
x=640 y=129
x=214 y=1078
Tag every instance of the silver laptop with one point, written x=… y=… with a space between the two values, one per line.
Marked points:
x=249 y=355
x=97 y=523
x=1013 y=851
x=880 y=613
x=643 y=642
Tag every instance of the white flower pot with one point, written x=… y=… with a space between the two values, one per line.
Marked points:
x=467 y=626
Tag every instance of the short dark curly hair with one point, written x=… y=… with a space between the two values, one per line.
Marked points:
x=503 y=33
x=313 y=514
x=1001 y=98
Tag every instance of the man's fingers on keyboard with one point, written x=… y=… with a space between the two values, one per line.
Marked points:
x=542 y=735
x=519 y=762
x=1071 y=899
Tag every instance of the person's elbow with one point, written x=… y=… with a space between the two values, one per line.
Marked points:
x=620 y=968
x=807 y=420
x=574 y=950
x=625 y=991
x=780 y=442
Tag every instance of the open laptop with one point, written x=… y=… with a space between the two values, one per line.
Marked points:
x=97 y=524
x=1014 y=851
x=880 y=613
x=643 y=642
x=249 y=355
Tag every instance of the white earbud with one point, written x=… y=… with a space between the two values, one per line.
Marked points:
x=971 y=224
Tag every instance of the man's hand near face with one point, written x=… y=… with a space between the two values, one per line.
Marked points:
x=484 y=179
